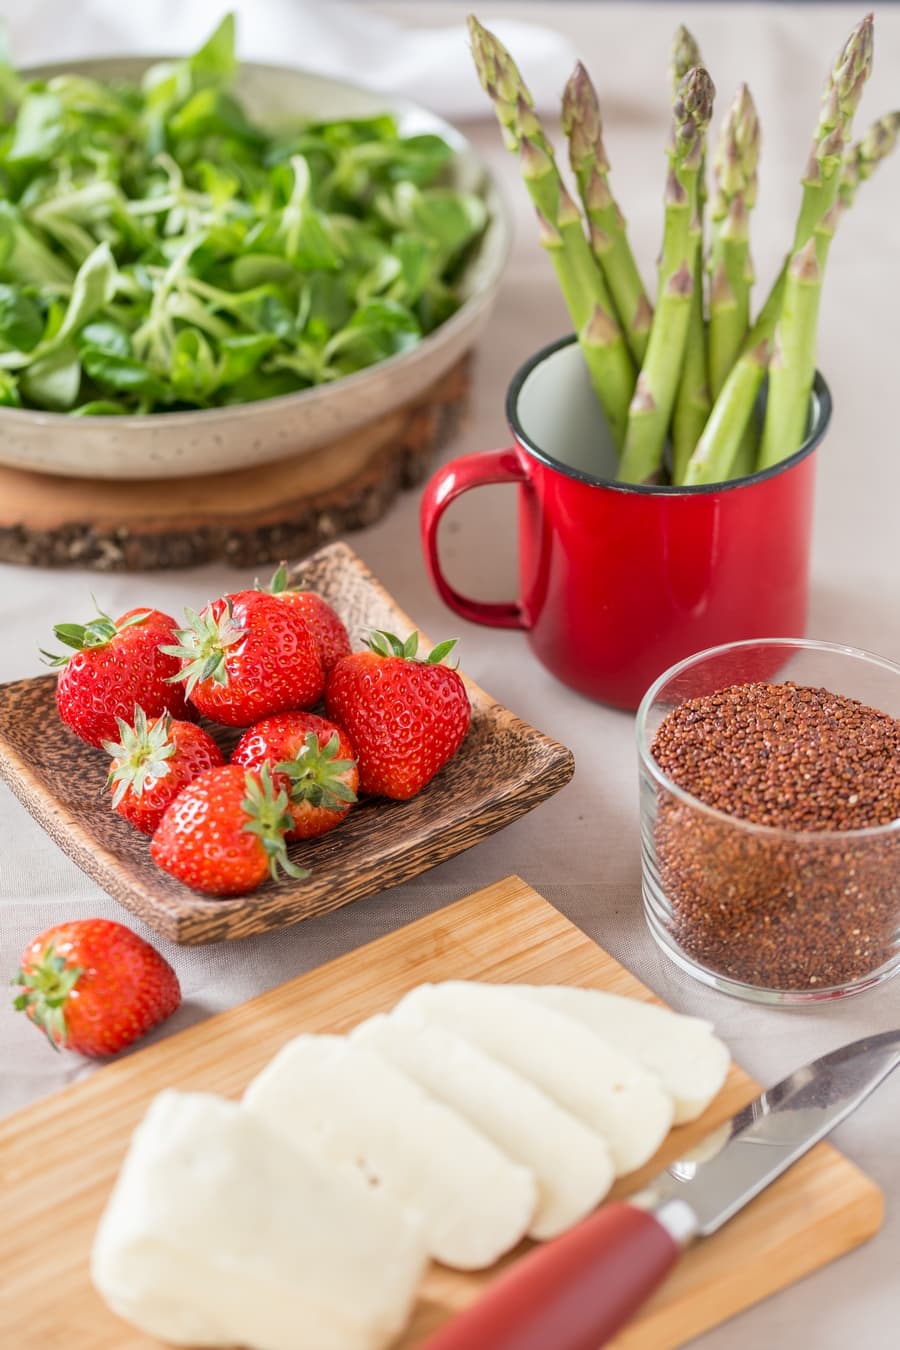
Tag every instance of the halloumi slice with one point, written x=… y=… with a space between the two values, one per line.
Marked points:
x=352 y=1105
x=221 y=1232
x=571 y=1163
x=690 y=1060
x=609 y=1092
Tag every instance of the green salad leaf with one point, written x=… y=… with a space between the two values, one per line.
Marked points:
x=161 y=251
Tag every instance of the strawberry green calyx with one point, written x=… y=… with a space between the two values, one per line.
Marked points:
x=84 y=636
x=280 y=583
x=203 y=646
x=269 y=819
x=388 y=644
x=317 y=775
x=142 y=753
x=47 y=987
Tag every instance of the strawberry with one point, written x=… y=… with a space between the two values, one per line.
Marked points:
x=151 y=764
x=224 y=833
x=117 y=664
x=312 y=760
x=406 y=716
x=94 y=986
x=246 y=656
x=332 y=638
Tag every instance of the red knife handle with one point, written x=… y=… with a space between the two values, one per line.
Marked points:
x=572 y=1294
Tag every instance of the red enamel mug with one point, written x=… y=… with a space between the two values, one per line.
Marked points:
x=618 y=582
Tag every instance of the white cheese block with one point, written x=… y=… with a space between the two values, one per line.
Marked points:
x=351 y=1105
x=605 y=1089
x=571 y=1163
x=690 y=1060
x=220 y=1232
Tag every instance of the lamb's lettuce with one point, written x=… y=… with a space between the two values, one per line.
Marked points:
x=160 y=251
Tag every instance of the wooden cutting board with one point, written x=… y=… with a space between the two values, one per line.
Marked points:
x=59 y=1157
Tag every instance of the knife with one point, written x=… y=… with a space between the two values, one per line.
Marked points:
x=579 y=1290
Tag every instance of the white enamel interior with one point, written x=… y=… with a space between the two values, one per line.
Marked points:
x=559 y=414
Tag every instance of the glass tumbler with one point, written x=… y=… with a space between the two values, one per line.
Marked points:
x=770 y=914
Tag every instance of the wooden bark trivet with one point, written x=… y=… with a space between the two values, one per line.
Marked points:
x=249 y=516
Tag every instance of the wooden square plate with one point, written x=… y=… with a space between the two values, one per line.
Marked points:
x=503 y=769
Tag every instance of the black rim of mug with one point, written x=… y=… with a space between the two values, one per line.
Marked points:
x=820 y=426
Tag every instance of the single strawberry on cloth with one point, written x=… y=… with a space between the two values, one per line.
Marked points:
x=94 y=986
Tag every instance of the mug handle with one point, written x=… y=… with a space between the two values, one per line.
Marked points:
x=457 y=477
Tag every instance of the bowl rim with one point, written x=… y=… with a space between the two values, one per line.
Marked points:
x=499 y=217
x=662 y=779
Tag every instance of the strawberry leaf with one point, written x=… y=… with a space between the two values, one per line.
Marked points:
x=269 y=819
x=202 y=647
x=142 y=753
x=47 y=986
x=437 y=654
x=388 y=644
x=85 y=636
x=317 y=776
x=279 y=583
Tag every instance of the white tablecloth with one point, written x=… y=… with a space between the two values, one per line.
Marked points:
x=581 y=848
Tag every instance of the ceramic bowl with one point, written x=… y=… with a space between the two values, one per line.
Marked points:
x=178 y=445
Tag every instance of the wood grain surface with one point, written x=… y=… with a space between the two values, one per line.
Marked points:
x=58 y=1158
x=247 y=517
x=503 y=769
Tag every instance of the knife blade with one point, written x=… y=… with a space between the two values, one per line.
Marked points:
x=576 y=1292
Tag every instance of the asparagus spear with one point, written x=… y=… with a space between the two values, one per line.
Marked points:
x=730 y=265
x=731 y=272
x=651 y=407
x=608 y=234
x=692 y=402
x=863 y=158
x=684 y=56
x=718 y=449
x=561 y=234
x=714 y=458
x=792 y=366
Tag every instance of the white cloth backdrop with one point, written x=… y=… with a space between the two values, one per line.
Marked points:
x=580 y=849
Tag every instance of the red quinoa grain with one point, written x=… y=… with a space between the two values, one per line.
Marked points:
x=764 y=908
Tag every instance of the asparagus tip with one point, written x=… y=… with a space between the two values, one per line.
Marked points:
x=581 y=120
x=685 y=55
x=693 y=105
